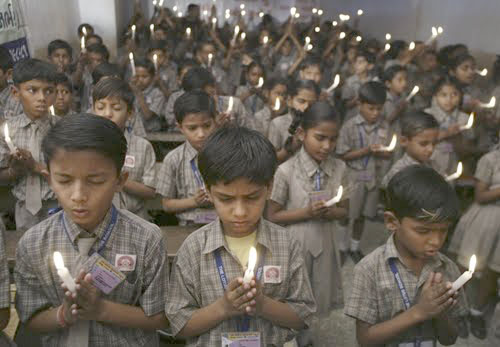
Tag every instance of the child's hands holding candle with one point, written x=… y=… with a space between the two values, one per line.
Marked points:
x=87 y=299
x=436 y=297
x=317 y=209
x=201 y=198
x=237 y=297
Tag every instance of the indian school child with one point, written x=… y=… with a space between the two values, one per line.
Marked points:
x=60 y=54
x=63 y=105
x=114 y=100
x=249 y=93
x=395 y=79
x=117 y=259
x=179 y=181
x=401 y=294
x=275 y=93
x=301 y=187
x=463 y=68
x=166 y=69
x=202 y=51
x=208 y=302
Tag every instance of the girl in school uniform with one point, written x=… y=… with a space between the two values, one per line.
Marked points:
x=301 y=187
x=275 y=92
x=250 y=92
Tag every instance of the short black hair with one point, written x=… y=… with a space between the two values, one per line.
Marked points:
x=311 y=60
x=233 y=152
x=414 y=122
x=157 y=45
x=106 y=69
x=186 y=63
x=99 y=48
x=195 y=101
x=369 y=56
x=87 y=26
x=33 y=69
x=146 y=64
x=272 y=82
x=320 y=111
x=294 y=87
x=200 y=45
x=460 y=59
x=86 y=132
x=113 y=87
x=61 y=78
x=373 y=93
x=392 y=71
x=197 y=78
x=420 y=192
x=59 y=44
x=6 y=61
x=94 y=36
x=444 y=81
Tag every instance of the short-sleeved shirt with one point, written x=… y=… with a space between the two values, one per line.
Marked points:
x=402 y=163
x=488 y=168
x=375 y=297
x=4 y=272
x=10 y=105
x=278 y=130
x=21 y=130
x=156 y=103
x=195 y=281
x=140 y=165
x=168 y=74
x=177 y=180
x=351 y=87
x=390 y=105
x=239 y=113
x=253 y=103
x=169 y=112
x=39 y=286
x=135 y=126
x=263 y=119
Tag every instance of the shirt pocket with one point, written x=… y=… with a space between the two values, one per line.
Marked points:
x=129 y=290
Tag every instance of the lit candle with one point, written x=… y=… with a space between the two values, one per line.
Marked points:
x=243 y=36
x=52 y=110
x=359 y=38
x=293 y=11
x=155 y=61
x=317 y=29
x=336 y=198
x=265 y=40
x=214 y=23
x=297 y=15
x=470 y=122
x=230 y=105
x=236 y=32
x=320 y=12
x=490 y=104
x=388 y=37
x=132 y=62
x=63 y=273
x=482 y=72
x=261 y=82
x=342 y=35
x=8 y=140
x=160 y=3
x=466 y=276
x=133 y=31
x=152 y=29
x=457 y=174
x=307 y=42
x=84 y=31
x=335 y=84
x=360 y=12
x=412 y=46
x=314 y=10
x=179 y=14
x=334 y=23
x=414 y=92
x=242 y=6
x=309 y=47
x=174 y=8
x=82 y=43
x=261 y=14
x=252 y=260
x=391 y=146
x=277 y=104
x=243 y=13
x=154 y=3
x=387 y=47
x=210 y=57
x=434 y=35
x=188 y=32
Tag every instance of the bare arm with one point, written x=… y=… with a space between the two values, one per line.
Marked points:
x=139 y=189
x=178 y=205
x=356 y=154
x=280 y=314
x=130 y=317
x=484 y=195
x=277 y=214
x=4 y=317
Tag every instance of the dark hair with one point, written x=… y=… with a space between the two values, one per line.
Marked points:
x=61 y=78
x=192 y=7
x=200 y=45
x=33 y=69
x=94 y=36
x=87 y=26
x=392 y=71
x=272 y=82
x=369 y=56
x=311 y=61
x=186 y=63
x=146 y=64
x=157 y=45
x=6 y=61
x=420 y=192
x=196 y=101
x=373 y=93
x=318 y=112
x=197 y=78
x=237 y=152
x=86 y=132
x=459 y=60
x=413 y=123
x=106 y=69
x=446 y=80
x=113 y=87
x=59 y=44
x=397 y=47
x=99 y=48
x=296 y=86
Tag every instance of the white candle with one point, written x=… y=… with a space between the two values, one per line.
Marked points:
x=277 y=104
x=82 y=43
x=490 y=104
x=252 y=260
x=265 y=40
x=188 y=32
x=132 y=62
x=84 y=31
x=236 y=32
x=360 y=12
x=63 y=273
x=466 y=276
x=261 y=82
x=342 y=35
x=470 y=122
x=155 y=61
x=52 y=110
x=152 y=30
x=482 y=72
x=133 y=32
x=414 y=92
x=230 y=105
x=210 y=57
x=8 y=140
x=336 y=82
x=388 y=37
x=214 y=23
x=307 y=42
x=412 y=46
x=391 y=146
x=457 y=174
x=336 y=198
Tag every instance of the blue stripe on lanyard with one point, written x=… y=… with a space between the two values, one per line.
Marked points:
x=244 y=323
x=404 y=293
x=107 y=232
x=318 y=180
x=366 y=159
x=197 y=174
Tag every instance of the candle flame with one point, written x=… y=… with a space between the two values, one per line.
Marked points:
x=308 y=40
x=472 y=263
x=293 y=11
x=277 y=104
x=412 y=46
x=243 y=13
x=152 y=28
x=360 y=12
x=58 y=260
x=388 y=36
x=252 y=259
x=179 y=14
x=6 y=131
x=342 y=35
x=214 y=20
x=261 y=82
x=161 y=3
x=297 y=15
x=317 y=29
x=84 y=31
x=243 y=36
x=131 y=56
x=336 y=198
x=174 y=8
x=440 y=30
x=434 y=31
x=242 y=6
x=188 y=31
x=320 y=12
x=315 y=10
x=309 y=47
x=52 y=110
x=236 y=30
x=387 y=47
x=359 y=38
x=265 y=40
x=133 y=28
x=261 y=14
x=482 y=72
x=335 y=23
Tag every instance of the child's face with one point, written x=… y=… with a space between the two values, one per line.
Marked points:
x=278 y=91
x=311 y=73
x=398 y=83
x=351 y=54
x=94 y=60
x=370 y=112
x=184 y=71
x=427 y=62
x=302 y=100
x=320 y=140
x=448 y=98
x=162 y=57
x=416 y=239
x=142 y=77
x=254 y=74
x=197 y=127
x=286 y=48
x=114 y=109
x=35 y=96
x=204 y=52
x=92 y=41
x=239 y=205
x=84 y=183
x=61 y=58
x=63 y=99
x=421 y=146
x=160 y=35
x=361 y=66
x=465 y=72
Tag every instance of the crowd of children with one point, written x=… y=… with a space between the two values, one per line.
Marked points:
x=276 y=159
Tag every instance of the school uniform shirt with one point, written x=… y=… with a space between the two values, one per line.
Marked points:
x=390 y=105
x=140 y=165
x=284 y=63
x=375 y=297
x=87 y=82
x=4 y=95
x=155 y=100
x=350 y=91
x=168 y=74
x=134 y=125
x=263 y=120
x=253 y=103
x=4 y=271
x=169 y=112
x=239 y=114
x=293 y=183
x=195 y=282
x=224 y=84
x=39 y=287
x=10 y=105
x=278 y=130
x=399 y=165
x=176 y=180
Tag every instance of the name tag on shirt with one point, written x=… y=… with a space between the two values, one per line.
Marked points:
x=129 y=161
x=205 y=217
x=105 y=276
x=241 y=339
x=320 y=195
x=125 y=262
x=365 y=176
x=272 y=274
x=382 y=133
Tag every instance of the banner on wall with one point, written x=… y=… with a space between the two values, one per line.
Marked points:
x=12 y=32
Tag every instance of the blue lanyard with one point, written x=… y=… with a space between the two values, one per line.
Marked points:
x=107 y=232
x=404 y=293
x=243 y=324
x=366 y=159
x=197 y=174
x=318 y=180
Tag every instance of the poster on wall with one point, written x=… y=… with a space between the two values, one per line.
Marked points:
x=12 y=33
